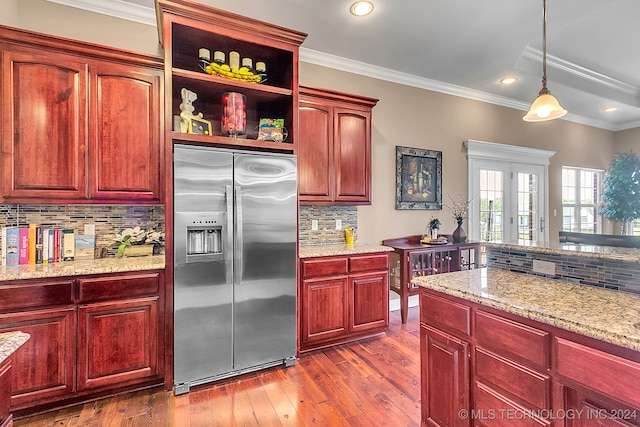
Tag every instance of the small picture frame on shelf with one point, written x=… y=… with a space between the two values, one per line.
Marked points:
x=199 y=126
x=272 y=130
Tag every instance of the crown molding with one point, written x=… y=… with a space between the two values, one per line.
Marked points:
x=116 y=8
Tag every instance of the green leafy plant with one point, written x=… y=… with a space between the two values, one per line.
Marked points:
x=621 y=190
x=434 y=224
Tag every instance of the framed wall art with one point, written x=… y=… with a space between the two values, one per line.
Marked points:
x=418 y=178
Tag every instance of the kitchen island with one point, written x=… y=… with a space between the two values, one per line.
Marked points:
x=497 y=344
x=9 y=343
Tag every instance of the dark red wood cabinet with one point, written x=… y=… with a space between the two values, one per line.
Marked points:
x=80 y=123
x=343 y=298
x=89 y=334
x=334 y=152
x=485 y=367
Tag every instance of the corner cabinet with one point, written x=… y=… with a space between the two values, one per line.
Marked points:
x=334 y=153
x=89 y=335
x=186 y=27
x=80 y=123
x=343 y=298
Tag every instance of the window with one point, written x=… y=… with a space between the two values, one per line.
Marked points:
x=636 y=227
x=580 y=199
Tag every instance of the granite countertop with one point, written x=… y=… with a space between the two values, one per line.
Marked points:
x=10 y=342
x=582 y=250
x=311 y=251
x=82 y=267
x=607 y=315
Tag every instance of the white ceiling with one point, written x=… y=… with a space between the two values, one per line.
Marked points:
x=464 y=47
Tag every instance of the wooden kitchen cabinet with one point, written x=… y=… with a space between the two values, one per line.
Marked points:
x=80 y=123
x=503 y=369
x=6 y=419
x=185 y=27
x=334 y=153
x=89 y=334
x=343 y=298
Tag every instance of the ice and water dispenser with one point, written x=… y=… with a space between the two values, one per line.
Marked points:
x=202 y=236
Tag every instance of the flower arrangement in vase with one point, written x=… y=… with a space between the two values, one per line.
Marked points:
x=138 y=242
x=459 y=209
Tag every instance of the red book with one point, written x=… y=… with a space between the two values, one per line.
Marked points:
x=23 y=248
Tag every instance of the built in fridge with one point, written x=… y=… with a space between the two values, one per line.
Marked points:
x=235 y=227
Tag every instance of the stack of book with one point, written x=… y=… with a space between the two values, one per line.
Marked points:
x=36 y=244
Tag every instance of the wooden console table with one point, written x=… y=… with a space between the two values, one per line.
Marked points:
x=411 y=258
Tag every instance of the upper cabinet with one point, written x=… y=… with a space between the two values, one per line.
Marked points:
x=334 y=150
x=80 y=123
x=188 y=29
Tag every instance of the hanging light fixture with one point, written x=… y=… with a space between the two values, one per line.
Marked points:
x=545 y=107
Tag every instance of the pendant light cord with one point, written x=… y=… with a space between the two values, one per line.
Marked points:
x=544 y=89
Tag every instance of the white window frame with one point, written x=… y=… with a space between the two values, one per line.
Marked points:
x=482 y=151
x=578 y=202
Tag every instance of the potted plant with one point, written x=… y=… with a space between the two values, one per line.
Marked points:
x=434 y=226
x=138 y=242
x=621 y=191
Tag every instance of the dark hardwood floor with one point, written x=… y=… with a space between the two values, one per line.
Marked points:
x=371 y=382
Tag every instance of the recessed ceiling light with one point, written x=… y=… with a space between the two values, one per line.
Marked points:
x=610 y=109
x=508 y=80
x=362 y=8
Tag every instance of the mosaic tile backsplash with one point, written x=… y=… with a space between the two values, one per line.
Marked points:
x=108 y=219
x=608 y=274
x=326 y=217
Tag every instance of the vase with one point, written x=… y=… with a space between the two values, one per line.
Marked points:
x=459 y=235
x=138 y=250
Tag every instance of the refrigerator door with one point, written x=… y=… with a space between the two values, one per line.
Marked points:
x=203 y=290
x=265 y=253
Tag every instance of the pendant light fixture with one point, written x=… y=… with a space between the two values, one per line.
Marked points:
x=545 y=107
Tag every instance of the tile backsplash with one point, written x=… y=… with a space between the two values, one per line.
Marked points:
x=108 y=219
x=326 y=217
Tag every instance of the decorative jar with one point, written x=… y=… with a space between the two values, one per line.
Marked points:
x=234 y=114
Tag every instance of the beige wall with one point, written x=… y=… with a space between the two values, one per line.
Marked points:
x=404 y=116
x=419 y=118
x=627 y=140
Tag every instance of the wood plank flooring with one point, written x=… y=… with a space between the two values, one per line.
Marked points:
x=371 y=382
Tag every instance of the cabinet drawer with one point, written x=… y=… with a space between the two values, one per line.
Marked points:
x=521 y=342
x=324 y=267
x=368 y=263
x=445 y=314
x=114 y=287
x=525 y=384
x=28 y=295
x=600 y=371
x=498 y=410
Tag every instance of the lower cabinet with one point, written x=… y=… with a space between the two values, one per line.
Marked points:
x=6 y=419
x=106 y=335
x=343 y=298
x=484 y=367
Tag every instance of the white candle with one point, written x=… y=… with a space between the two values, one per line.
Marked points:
x=234 y=60
x=204 y=54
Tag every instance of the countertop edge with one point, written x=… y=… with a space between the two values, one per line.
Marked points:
x=312 y=251
x=10 y=342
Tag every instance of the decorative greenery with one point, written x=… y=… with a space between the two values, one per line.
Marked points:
x=621 y=190
x=460 y=208
x=138 y=236
x=434 y=224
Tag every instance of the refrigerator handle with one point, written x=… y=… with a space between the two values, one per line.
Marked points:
x=228 y=234
x=239 y=241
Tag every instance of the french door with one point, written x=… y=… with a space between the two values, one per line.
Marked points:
x=509 y=198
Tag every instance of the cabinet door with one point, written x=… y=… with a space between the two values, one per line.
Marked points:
x=43 y=368
x=352 y=156
x=369 y=301
x=117 y=342
x=5 y=391
x=44 y=120
x=125 y=140
x=444 y=370
x=324 y=308
x=315 y=156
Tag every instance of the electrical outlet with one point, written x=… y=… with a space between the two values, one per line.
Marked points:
x=90 y=229
x=544 y=267
x=338 y=224
x=314 y=225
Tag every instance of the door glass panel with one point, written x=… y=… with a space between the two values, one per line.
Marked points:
x=527 y=207
x=491 y=205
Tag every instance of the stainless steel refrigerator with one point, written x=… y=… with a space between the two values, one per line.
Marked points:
x=235 y=228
